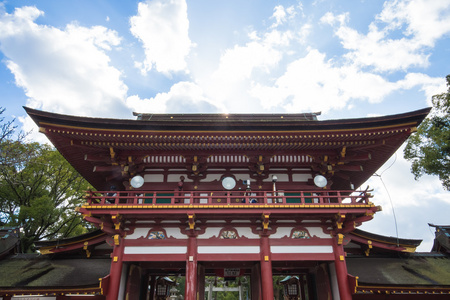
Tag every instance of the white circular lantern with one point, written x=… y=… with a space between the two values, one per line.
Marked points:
x=320 y=181
x=228 y=183
x=137 y=181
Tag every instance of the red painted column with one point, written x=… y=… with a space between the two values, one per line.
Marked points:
x=255 y=282
x=266 y=269
x=116 y=269
x=341 y=270
x=201 y=281
x=190 y=292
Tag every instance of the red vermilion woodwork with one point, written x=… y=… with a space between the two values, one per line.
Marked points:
x=280 y=223
x=266 y=269
x=191 y=269
x=341 y=271
x=255 y=280
x=116 y=271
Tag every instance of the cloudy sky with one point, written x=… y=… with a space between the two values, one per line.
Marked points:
x=344 y=58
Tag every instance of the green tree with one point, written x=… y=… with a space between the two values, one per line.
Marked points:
x=6 y=128
x=9 y=138
x=429 y=148
x=39 y=191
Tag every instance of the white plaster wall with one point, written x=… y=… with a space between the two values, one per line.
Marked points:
x=176 y=233
x=313 y=231
x=138 y=232
x=210 y=232
x=155 y=250
x=281 y=232
x=301 y=249
x=317 y=231
x=247 y=232
x=142 y=232
x=227 y=249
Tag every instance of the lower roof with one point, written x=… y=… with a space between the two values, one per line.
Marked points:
x=413 y=271
x=34 y=271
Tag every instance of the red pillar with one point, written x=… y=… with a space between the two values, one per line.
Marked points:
x=191 y=269
x=341 y=271
x=116 y=269
x=133 y=282
x=266 y=269
x=201 y=281
x=255 y=282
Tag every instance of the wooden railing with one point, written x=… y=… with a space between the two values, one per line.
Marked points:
x=220 y=198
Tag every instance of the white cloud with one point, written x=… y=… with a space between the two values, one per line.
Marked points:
x=162 y=27
x=314 y=84
x=240 y=65
x=282 y=14
x=65 y=71
x=425 y=22
x=183 y=97
x=429 y=85
x=415 y=203
x=279 y=14
x=267 y=74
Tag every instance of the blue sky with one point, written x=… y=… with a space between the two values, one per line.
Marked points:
x=344 y=58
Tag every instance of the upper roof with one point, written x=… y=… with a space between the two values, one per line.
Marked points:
x=225 y=122
x=227 y=118
x=346 y=150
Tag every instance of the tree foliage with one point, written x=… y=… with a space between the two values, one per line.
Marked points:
x=39 y=191
x=429 y=148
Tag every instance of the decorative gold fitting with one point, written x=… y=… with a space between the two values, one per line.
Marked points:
x=340 y=238
x=191 y=219
x=116 y=240
x=265 y=221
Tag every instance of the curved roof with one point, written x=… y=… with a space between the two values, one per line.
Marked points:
x=226 y=122
x=347 y=150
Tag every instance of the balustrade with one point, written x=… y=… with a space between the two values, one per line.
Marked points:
x=322 y=198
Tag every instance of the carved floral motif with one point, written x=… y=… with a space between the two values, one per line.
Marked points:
x=228 y=234
x=300 y=234
x=156 y=235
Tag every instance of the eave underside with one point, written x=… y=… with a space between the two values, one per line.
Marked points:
x=345 y=151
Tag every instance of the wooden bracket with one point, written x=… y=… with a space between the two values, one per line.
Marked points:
x=340 y=220
x=343 y=151
x=265 y=221
x=116 y=219
x=191 y=220
x=85 y=248
x=369 y=246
